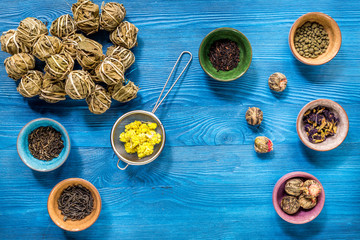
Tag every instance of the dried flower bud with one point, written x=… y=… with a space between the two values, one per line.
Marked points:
x=70 y=44
x=59 y=65
x=52 y=91
x=111 y=71
x=86 y=16
x=307 y=203
x=63 y=26
x=125 y=35
x=263 y=145
x=254 y=116
x=89 y=54
x=99 y=100
x=126 y=55
x=45 y=46
x=293 y=187
x=112 y=14
x=311 y=189
x=290 y=204
x=79 y=84
x=31 y=84
x=29 y=30
x=19 y=64
x=277 y=82
x=10 y=43
x=124 y=93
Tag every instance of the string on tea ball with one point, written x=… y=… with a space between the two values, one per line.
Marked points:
x=59 y=65
x=126 y=55
x=46 y=46
x=29 y=30
x=10 y=43
x=70 y=44
x=111 y=71
x=254 y=116
x=79 y=84
x=99 y=100
x=112 y=14
x=63 y=26
x=31 y=83
x=86 y=16
x=125 y=35
x=19 y=64
x=89 y=54
x=277 y=82
x=124 y=93
x=52 y=91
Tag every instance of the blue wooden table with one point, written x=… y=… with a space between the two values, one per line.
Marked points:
x=208 y=183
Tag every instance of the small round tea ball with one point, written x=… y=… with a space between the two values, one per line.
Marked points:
x=46 y=46
x=111 y=71
x=63 y=26
x=19 y=64
x=277 y=82
x=70 y=44
x=10 y=43
x=254 y=116
x=29 y=30
x=112 y=14
x=293 y=186
x=307 y=203
x=79 y=84
x=59 y=65
x=311 y=189
x=125 y=35
x=52 y=91
x=86 y=16
x=124 y=93
x=99 y=100
x=263 y=145
x=31 y=83
x=89 y=54
x=126 y=55
x=290 y=204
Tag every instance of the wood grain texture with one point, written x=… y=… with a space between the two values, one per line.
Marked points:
x=208 y=183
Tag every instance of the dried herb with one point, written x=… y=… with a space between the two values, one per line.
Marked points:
x=99 y=100
x=311 y=40
x=19 y=64
x=46 y=46
x=124 y=93
x=10 y=43
x=59 y=65
x=112 y=14
x=290 y=204
x=79 y=84
x=277 y=82
x=125 y=35
x=63 y=26
x=45 y=143
x=307 y=203
x=76 y=202
x=224 y=55
x=263 y=145
x=86 y=16
x=111 y=71
x=319 y=124
x=294 y=187
x=126 y=55
x=29 y=30
x=52 y=91
x=70 y=44
x=31 y=84
x=254 y=116
x=89 y=54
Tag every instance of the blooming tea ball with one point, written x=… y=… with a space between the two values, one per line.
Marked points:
x=89 y=54
x=86 y=16
x=45 y=46
x=293 y=187
x=52 y=91
x=70 y=44
x=124 y=93
x=112 y=14
x=311 y=189
x=254 y=116
x=125 y=35
x=59 y=65
x=277 y=82
x=63 y=26
x=290 y=204
x=307 y=203
x=79 y=84
x=263 y=145
x=99 y=100
x=29 y=30
x=111 y=71
x=31 y=83
x=10 y=43
x=126 y=55
x=19 y=64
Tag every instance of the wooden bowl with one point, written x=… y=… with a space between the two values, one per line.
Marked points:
x=55 y=213
x=331 y=142
x=302 y=216
x=330 y=27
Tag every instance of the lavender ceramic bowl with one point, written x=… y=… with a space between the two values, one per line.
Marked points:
x=302 y=216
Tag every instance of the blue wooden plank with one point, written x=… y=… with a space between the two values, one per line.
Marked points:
x=208 y=183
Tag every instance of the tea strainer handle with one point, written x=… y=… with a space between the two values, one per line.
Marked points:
x=158 y=102
x=121 y=167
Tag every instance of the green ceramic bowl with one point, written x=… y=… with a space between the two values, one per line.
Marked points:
x=245 y=54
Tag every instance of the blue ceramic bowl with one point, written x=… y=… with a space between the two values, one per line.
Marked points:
x=24 y=152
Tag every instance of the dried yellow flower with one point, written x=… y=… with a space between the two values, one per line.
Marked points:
x=46 y=46
x=29 y=30
x=89 y=54
x=124 y=93
x=111 y=71
x=126 y=55
x=99 y=100
x=63 y=26
x=112 y=14
x=79 y=84
x=10 y=43
x=86 y=15
x=59 y=65
x=31 y=84
x=19 y=64
x=125 y=35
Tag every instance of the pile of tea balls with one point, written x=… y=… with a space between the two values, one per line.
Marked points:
x=102 y=77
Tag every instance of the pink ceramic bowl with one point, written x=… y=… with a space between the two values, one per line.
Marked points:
x=302 y=216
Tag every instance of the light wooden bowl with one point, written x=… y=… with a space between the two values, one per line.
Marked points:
x=330 y=27
x=331 y=142
x=55 y=213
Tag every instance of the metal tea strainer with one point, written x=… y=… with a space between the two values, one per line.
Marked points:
x=144 y=116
